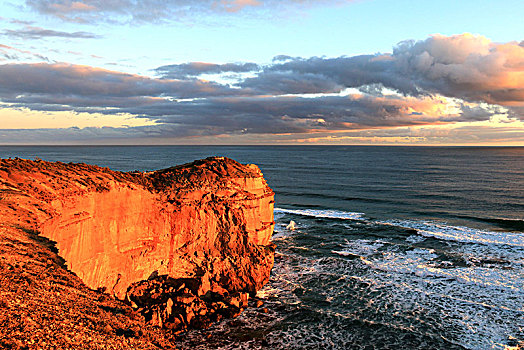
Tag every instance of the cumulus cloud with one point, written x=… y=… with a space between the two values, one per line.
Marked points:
x=438 y=81
x=158 y=10
x=466 y=66
x=30 y=32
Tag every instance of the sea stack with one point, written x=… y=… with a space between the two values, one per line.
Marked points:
x=183 y=246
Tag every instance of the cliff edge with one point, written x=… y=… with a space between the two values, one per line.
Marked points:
x=183 y=246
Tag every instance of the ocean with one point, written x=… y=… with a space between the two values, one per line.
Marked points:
x=393 y=247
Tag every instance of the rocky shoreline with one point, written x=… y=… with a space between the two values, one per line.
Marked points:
x=138 y=256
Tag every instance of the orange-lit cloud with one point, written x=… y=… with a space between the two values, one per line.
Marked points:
x=466 y=66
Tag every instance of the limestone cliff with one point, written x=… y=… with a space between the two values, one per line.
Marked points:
x=184 y=246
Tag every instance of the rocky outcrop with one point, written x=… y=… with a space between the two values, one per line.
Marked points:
x=184 y=246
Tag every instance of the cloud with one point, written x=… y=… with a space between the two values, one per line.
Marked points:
x=89 y=11
x=30 y=32
x=189 y=105
x=194 y=69
x=466 y=66
x=10 y=53
x=469 y=67
x=426 y=135
x=296 y=114
x=285 y=82
x=475 y=134
x=438 y=81
x=60 y=81
x=16 y=21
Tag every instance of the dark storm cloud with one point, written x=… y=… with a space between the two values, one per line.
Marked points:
x=194 y=69
x=40 y=33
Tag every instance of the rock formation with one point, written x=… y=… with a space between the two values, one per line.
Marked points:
x=184 y=246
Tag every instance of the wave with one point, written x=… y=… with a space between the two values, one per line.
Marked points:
x=474 y=307
x=318 y=213
x=420 y=262
x=459 y=233
x=511 y=224
x=394 y=272
x=437 y=230
x=360 y=248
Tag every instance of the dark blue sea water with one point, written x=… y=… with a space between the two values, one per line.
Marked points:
x=394 y=247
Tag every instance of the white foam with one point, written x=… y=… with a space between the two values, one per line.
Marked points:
x=415 y=239
x=420 y=263
x=472 y=306
x=360 y=247
x=460 y=233
x=331 y=214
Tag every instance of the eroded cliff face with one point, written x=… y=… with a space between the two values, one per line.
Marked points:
x=185 y=245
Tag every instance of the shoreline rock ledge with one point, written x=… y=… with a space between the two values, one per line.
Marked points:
x=184 y=246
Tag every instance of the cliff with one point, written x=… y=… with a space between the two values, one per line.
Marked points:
x=184 y=246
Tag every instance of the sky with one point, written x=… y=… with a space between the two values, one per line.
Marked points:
x=333 y=72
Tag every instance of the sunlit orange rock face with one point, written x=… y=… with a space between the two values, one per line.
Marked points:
x=186 y=245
